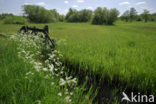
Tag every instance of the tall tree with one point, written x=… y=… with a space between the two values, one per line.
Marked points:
x=39 y=14
x=112 y=16
x=126 y=15
x=105 y=16
x=85 y=15
x=78 y=16
x=133 y=14
x=145 y=15
x=98 y=17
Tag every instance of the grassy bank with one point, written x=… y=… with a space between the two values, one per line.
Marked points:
x=125 y=50
x=22 y=83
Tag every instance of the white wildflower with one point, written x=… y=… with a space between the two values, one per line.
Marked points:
x=71 y=93
x=67 y=99
x=28 y=73
x=51 y=67
x=45 y=69
x=62 y=82
x=52 y=83
x=56 y=69
x=47 y=61
x=60 y=94
x=38 y=101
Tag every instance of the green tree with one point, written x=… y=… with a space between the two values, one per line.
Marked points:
x=78 y=16
x=100 y=16
x=125 y=16
x=112 y=16
x=153 y=17
x=39 y=14
x=146 y=15
x=85 y=15
x=4 y=15
x=15 y=20
x=105 y=16
x=55 y=14
x=133 y=14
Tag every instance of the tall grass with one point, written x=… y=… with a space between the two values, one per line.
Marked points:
x=125 y=51
x=22 y=83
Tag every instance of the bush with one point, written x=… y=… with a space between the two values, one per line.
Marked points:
x=4 y=15
x=38 y=14
x=125 y=16
x=105 y=16
x=78 y=16
x=85 y=15
x=133 y=14
x=15 y=20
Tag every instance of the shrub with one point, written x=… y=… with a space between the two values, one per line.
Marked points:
x=133 y=14
x=126 y=16
x=78 y=16
x=15 y=20
x=99 y=16
x=38 y=14
x=4 y=15
x=85 y=15
x=105 y=16
x=146 y=15
x=112 y=16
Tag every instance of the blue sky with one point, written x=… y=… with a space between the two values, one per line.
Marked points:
x=62 y=6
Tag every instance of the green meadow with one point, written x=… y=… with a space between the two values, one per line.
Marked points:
x=126 y=51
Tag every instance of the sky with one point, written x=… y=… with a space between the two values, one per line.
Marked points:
x=62 y=6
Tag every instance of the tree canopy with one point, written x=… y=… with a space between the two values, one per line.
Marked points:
x=39 y=14
x=105 y=16
x=78 y=16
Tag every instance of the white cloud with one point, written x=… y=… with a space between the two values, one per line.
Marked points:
x=66 y=2
x=75 y=6
x=139 y=3
x=65 y=11
x=41 y=4
x=80 y=1
x=89 y=7
x=124 y=3
x=26 y=3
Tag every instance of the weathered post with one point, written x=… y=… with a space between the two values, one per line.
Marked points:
x=46 y=29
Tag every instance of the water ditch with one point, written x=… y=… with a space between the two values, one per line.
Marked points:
x=107 y=93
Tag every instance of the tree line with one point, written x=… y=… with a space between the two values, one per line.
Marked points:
x=132 y=15
x=38 y=14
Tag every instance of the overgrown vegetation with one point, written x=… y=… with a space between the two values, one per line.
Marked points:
x=4 y=15
x=113 y=51
x=27 y=78
x=105 y=16
x=132 y=15
x=15 y=20
x=38 y=14
x=78 y=16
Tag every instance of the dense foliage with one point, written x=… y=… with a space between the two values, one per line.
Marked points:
x=15 y=20
x=153 y=17
x=131 y=15
x=105 y=16
x=145 y=15
x=38 y=14
x=78 y=16
x=4 y=15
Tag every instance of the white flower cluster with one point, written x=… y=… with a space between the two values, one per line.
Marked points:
x=32 y=50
